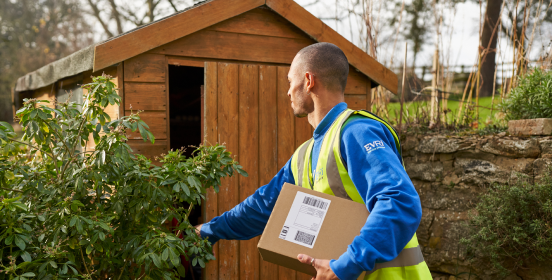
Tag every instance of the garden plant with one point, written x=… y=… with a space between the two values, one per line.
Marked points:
x=67 y=212
x=512 y=224
x=532 y=98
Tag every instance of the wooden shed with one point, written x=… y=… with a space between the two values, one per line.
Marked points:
x=215 y=71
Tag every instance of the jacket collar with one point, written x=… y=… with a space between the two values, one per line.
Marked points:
x=328 y=120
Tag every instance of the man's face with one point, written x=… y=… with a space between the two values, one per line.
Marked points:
x=301 y=99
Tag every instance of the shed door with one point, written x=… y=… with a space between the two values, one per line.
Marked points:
x=247 y=108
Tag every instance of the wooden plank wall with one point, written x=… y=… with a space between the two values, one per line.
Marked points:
x=46 y=93
x=145 y=89
x=246 y=107
x=258 y=36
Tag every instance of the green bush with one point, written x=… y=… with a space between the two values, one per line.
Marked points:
x=71 y=213
x=531 y=99
x=512 y=224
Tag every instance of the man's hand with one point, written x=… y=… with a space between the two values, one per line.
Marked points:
x=323 y=270
x=198 y=229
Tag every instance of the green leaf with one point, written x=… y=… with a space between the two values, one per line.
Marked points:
x=102 y=157
x=156 y=260
x=175 y=261
x=64 y=269
x=89 y=249
x=20 y=243
x=42 y=115
x=28 y=274
x=98 y=247
x=9 y=175
x=74 y=270
x=79 y=226
x=53 y=264
x=191 y=181
x=7 y=126
x=104 y=226
x=181 y=270
x=151 y=137
x=73 y=221
x=102 y=236
x=3 y=135
x=142 y=131
x=185 y=188
x=26 y=257
x=152 y=218
x=42 y=267
x=242 y=172
x=165 y=254
x=20 y=206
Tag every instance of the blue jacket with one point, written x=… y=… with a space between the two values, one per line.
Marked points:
x=388 y=192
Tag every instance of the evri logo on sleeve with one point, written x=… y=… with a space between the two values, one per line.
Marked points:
x=370 y=147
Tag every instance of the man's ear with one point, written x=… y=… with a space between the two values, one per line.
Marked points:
x=309 y=81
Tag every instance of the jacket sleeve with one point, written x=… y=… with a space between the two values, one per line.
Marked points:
x=389 y=195
x=248 y=219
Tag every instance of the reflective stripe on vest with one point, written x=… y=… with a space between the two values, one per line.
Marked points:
x=331 y=177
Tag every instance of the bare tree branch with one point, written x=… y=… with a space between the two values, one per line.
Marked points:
x=309 y=4
x=155 y=4
x=116 y=16
x=99 y=18
x=174 y=7
x=130 y=16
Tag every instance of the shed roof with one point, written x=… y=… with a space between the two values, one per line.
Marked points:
x=75 y=63
x=201 y=15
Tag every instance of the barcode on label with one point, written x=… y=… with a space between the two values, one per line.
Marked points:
x=304 y=237
x=315 y=202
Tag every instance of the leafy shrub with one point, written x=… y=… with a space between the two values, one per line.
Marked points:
x=71 y=213
x=513 y=224
x=532 y=98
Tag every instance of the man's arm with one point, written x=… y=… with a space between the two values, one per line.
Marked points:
x=248 y=219
x=389 y=195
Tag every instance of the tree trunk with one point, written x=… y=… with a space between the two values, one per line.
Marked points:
x=488 y=45
x=150 y=10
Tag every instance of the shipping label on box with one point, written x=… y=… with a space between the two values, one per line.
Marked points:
x=305 y=219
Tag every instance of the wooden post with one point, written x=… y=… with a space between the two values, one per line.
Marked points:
x=434 y=102
x=447 y=84
x=13 y=102
x=403 y=92
x=121 y=88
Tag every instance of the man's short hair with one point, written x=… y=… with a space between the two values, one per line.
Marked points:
x=327 y=62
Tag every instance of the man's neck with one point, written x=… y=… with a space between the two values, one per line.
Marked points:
x=320 y=111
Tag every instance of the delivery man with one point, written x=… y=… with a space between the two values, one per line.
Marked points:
x=353 y=154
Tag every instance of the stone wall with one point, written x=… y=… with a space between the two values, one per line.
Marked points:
x=450 y=173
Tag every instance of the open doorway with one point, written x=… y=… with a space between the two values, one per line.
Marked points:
x=185 y=106
x=186 y=123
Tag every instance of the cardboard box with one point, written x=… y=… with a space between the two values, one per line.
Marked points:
x=309 y=222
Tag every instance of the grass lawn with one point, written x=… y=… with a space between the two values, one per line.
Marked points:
x=484 y=109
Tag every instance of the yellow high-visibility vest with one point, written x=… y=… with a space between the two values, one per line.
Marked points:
x=332 y=178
